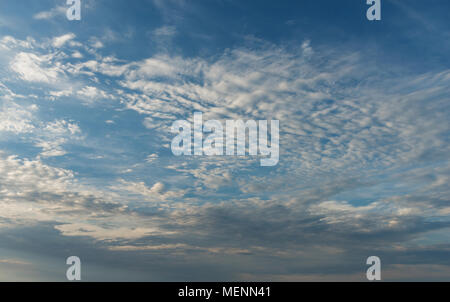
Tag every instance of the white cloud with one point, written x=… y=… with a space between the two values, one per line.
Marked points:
x=60 y=93
x=77 y=55
x=16 y=119
x=96 y=43
x=61 y=40
x=33 y=191
x=8 y=42
x=50 y=14
x=35 y=68
x=50 y=136
x=157 y=192
x=54 y=135
x=90 y=93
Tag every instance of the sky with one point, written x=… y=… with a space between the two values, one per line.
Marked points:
x=86 y=168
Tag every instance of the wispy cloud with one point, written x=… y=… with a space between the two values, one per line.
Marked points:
x=58 y=11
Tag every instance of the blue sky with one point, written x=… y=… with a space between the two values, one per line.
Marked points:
x=86 y=167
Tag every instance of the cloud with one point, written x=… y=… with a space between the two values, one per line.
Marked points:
x=35 y=68
x=16 y=119
x=92 y=93
x=55 y=134
x=77 y=55
x=364 y=164
x=13 y=262
x=9 y=42
x=52 y=13
x=157 y=192
x=165 y=31
x=32 y=191
x=152 y=158
x=61 y=40
x=24 y=122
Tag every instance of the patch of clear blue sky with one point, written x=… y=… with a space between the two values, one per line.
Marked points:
x=409 y=31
